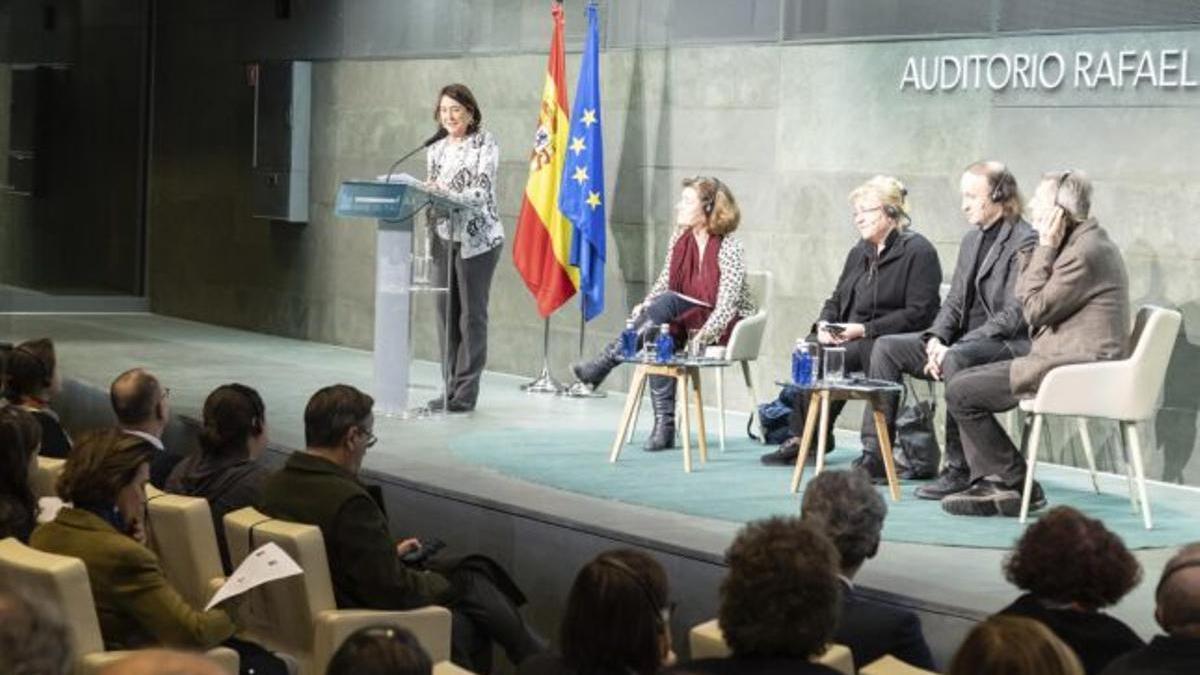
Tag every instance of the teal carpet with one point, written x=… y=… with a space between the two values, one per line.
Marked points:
x=733 y=486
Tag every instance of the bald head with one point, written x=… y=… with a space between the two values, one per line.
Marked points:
x=163 y=662
x=137 y=399
x=1178 y=593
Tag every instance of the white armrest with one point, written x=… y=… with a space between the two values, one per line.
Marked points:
x=430 y=625
x=1098 y=389
x=745 y=341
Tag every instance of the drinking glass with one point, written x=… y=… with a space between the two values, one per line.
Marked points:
x=835 y=364
x=694 y=348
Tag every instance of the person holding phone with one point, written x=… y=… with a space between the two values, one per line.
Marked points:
x=1074 y=293
x=889 y=284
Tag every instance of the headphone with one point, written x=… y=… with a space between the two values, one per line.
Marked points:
x=1062 y=177
x=256 y=404
x=895 y=212
x=1004 y=185
x=710 y=203
x=662 y=615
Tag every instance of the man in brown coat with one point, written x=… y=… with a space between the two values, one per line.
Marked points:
x=1074 y=294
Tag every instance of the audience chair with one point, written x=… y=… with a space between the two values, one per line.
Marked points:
x=45 y=476
x=1126 y=391
x=186 y=543
x=298 y=615
x=706 y=642
x=890 y=665
x=63 y=582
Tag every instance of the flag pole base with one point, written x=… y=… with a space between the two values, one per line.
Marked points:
x=543 y=384
x=581 y=390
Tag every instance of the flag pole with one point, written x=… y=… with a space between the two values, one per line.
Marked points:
x=579 y=389
x=544 y=383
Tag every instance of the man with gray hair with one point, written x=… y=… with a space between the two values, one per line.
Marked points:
x=847 y=508
x=141 y=406
x=1074 y=293
x=1178 y=612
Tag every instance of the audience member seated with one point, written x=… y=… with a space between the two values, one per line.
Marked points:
x=1178 y=613
x=226 y=471
x=1013 y=645
x=140 y=404
x=33 y=637
x=381 y=650
x=20 y=436
x=847 y=508
x=32 y=381
x=1074 y=294
x=779 y=601
x=617 y=620
x=889 y=284
x=105 y=480
x=162 y=662
x=1071 y=567
x=319 y=486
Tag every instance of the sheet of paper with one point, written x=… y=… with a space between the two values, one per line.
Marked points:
x=265 y=564
x=695 y=301
x=48 y=508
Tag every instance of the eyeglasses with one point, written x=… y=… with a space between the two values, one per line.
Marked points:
x=166 y=391
x=863 y=212
x=371 y=439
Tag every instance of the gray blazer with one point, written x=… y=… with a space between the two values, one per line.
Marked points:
x=1076 y=300
x=993 y=286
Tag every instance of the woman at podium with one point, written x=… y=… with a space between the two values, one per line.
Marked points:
x=464 y=163
x=701 y=290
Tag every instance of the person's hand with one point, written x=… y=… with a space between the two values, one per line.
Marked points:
x=137 y=529
x=1052 y=228
x=407 y=546
x=851 y=332
x=823 y=334
x=935 y=353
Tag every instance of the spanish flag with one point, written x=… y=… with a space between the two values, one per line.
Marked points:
x=542 y=249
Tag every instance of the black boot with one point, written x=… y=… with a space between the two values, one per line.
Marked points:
x=662 y=396
x=594 y=371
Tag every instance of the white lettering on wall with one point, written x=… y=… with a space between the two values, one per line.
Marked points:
x=1122 y=69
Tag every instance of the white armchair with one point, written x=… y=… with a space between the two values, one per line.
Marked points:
x=1126 y=391
x=745 y=343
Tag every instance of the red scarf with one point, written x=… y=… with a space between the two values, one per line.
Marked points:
x=696 y=276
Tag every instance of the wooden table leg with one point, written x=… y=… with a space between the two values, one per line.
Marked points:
x=885 y=447
x=686 y=431
x=694 y=374
x=636 y=388
x=810 y=421
x=824 y=433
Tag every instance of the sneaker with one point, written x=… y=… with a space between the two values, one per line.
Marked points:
x=948 y=483
x=784 y=455
x=873 y=465
x=986 y=498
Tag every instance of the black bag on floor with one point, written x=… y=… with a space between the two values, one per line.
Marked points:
x=773 y=417
x=916 y=448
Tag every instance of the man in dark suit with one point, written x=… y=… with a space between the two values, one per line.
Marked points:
x=1074 y=293
x=140 y=403
x=1178 y=612
x=979 y=321
x=319 y=486
x=848 y=509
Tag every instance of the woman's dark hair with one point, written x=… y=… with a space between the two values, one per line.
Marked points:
x=1067 y=557
x=20 y=436
x=380 y=650
x=333 y=411
x=782 y=594
x=232 y=414
x=29 y=368
x=101 y=465
x=460 y=93
x=615 y=618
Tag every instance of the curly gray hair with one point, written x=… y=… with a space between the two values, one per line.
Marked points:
x=849 y=510
x=33 y=636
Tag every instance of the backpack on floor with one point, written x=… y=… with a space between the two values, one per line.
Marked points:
x=773 y=417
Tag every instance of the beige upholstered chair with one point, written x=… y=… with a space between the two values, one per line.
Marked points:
x=45 y=476
x=890 y=665
x=186 y=543
x=298 y=615
x=706 y=642
x=63 y=582
x=1126 y=391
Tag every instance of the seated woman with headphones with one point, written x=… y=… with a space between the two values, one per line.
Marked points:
x=31 y=380
x=889 y=284
x=705 y=264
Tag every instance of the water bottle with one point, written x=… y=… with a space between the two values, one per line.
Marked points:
x=629 y=340
x=666 y=344
x=802 y=364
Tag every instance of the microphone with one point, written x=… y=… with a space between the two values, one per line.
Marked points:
x=441 y=133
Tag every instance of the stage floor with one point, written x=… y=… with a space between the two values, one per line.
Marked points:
x=474 y=458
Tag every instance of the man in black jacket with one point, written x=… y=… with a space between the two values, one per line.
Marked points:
x=849 y=510
x=141 y=406
x=979 y=322
x=1178 y=612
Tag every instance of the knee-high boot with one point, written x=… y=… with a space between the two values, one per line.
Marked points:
x=662 y=396
x=596 y=369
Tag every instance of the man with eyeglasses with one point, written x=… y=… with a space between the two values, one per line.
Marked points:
x=319 y=486
x=141 y=405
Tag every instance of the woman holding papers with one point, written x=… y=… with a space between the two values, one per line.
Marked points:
x=464 y=164
x=105 y=480
x=701 y=288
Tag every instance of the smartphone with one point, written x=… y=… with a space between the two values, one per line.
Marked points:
x=835 y=329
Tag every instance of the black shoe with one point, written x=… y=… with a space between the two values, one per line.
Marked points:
x=436 y=404
x=457 y=406
x=662 y=437
x=873 y=465
x=950 y=482
x=595 y=370
x=986 y=498
x=784 y=455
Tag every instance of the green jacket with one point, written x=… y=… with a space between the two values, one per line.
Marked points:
x=135 y=603
x=363 y=564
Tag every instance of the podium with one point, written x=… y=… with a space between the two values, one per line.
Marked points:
x=394 y=204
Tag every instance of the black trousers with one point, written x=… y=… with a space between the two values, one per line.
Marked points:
x=896 y=355
x=470 y=284
x=973 y=396
x=481 y=614
x=663 y=309
x=858 y=359
x=254 y=659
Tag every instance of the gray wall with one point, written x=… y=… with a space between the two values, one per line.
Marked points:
x=790 y=127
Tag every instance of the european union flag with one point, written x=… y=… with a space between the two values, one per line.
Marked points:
x=581 y=195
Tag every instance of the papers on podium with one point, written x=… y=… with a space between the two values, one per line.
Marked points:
x=267 y=563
